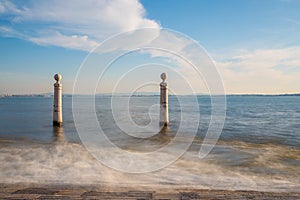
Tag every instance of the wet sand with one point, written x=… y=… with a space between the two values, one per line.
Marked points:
x=20 y=191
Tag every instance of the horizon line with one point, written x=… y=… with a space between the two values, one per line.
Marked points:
x=149 y=94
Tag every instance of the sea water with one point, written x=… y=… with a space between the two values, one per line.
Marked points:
x=258 y=149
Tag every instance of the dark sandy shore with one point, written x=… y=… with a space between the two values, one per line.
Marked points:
x=98 y=192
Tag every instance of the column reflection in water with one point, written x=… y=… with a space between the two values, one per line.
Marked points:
x=58 y=134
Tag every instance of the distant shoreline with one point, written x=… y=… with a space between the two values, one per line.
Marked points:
x=142 y=95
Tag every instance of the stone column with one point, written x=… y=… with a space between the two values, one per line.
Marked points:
x=57 y=106
x=164 y=113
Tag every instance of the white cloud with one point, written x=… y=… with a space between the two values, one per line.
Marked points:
x=192 y=61
x=7 y=6
x=73 y=41
x=6 y=30
x=10 y=32
x=75 y=23
x=262 y=71
x=2 y=8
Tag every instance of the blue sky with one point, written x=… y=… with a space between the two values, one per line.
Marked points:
x=233 y=23
x=254 y=44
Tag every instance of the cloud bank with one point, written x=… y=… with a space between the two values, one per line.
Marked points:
x=71 y=24
x=268 y=71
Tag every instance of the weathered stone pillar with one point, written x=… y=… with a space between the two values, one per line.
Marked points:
x=57 y=106
x=164 y=113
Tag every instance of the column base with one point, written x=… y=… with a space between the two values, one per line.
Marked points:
x=57 y=124
x=163 y=124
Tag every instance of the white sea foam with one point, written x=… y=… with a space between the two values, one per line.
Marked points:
x=70 y=163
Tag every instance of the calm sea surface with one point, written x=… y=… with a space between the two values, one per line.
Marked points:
x=259 y=148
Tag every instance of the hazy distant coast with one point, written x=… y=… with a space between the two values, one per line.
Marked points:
x=139 y=94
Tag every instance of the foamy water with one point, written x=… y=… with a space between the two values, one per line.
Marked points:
x=70 y=163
